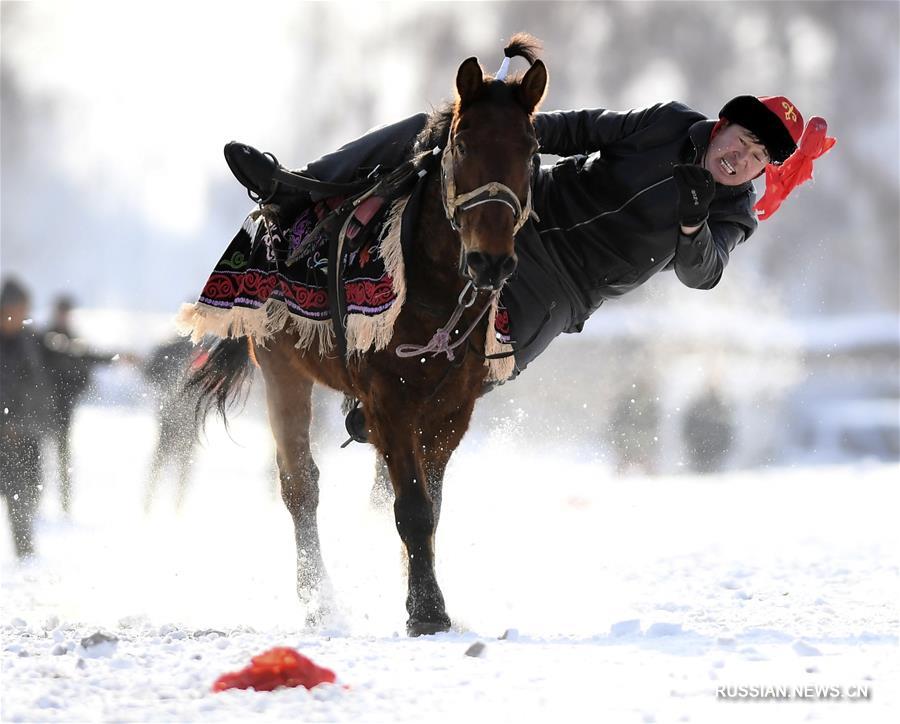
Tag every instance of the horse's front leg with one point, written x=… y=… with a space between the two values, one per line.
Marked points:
x=289 y=402
x=437 y=441
x=415 y=519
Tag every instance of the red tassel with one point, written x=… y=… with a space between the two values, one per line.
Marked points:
x=781 y=180
x=276 y=667
x=201 y=356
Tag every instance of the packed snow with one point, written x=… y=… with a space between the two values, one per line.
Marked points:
x=595 y=597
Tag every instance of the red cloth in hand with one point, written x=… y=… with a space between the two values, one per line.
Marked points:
x=276 y=667
x=781 y=180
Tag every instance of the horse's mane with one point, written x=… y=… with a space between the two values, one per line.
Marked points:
x=437 y=127
x=436 y=130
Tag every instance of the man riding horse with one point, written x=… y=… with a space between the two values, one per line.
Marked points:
x=637 y=192
x=524 y=252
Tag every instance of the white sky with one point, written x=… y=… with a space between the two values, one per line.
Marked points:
x=123 y=74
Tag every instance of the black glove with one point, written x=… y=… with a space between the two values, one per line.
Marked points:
x=696 y=189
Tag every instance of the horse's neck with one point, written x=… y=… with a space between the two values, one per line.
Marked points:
x=434 y=257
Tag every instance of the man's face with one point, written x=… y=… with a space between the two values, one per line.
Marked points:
x=735 y=156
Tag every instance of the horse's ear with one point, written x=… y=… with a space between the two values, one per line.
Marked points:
x=469 y=80
x=533 y=86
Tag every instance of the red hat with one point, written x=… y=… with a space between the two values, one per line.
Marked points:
x=785 y=177
x=774 y=120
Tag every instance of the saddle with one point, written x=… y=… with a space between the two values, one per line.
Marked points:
x=351 y=220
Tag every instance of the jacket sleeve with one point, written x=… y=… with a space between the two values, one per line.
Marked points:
x=570 y=133
x=387 y=146
x=700 y=259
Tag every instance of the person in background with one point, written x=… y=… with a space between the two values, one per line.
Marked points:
x=708 y=431
x=24 y=403
x=166 y=370
x=69 y=365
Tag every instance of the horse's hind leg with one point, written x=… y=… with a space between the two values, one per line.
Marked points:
x=289 y=398
x=382 y=495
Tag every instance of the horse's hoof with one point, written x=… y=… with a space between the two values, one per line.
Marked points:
x=317 y=618
x=414 y=627
x=317 y=603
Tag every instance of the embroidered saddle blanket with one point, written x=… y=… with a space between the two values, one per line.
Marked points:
x=252 y=292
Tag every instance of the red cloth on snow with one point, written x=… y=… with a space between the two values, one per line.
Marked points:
x=276 y=667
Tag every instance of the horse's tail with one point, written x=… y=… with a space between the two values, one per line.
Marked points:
x=523 y=45
x=218 y=376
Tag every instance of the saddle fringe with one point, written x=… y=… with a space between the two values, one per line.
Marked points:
x=199 y=320
x=499 y=370
x=364 y=333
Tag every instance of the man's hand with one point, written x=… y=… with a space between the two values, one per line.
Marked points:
x=696 y=189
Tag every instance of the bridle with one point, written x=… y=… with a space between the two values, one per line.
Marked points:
x=484 y=194
x=442 y=342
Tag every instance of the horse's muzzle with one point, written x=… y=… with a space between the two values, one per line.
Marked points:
x=489 y=271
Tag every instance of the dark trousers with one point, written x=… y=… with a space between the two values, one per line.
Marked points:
x=20 y=480
x=175 y=446
x=60 y=434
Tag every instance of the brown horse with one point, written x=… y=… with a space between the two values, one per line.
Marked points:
x=416 y=413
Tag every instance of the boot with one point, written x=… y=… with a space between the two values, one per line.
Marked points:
x=255 y=171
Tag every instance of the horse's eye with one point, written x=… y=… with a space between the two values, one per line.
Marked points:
x=460 y=149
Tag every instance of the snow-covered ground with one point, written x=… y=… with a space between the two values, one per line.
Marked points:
x=629 y=599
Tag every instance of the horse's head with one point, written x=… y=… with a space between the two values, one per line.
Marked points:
x=487 y=167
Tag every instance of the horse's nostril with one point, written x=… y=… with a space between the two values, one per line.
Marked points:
x=488 y=270
x=508 y=266
x=477 y=261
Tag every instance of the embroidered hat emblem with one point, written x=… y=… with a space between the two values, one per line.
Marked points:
x=789 y=113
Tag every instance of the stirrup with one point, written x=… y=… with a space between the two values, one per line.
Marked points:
x=355 y=423
x=253 y=172
x=276 y=185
